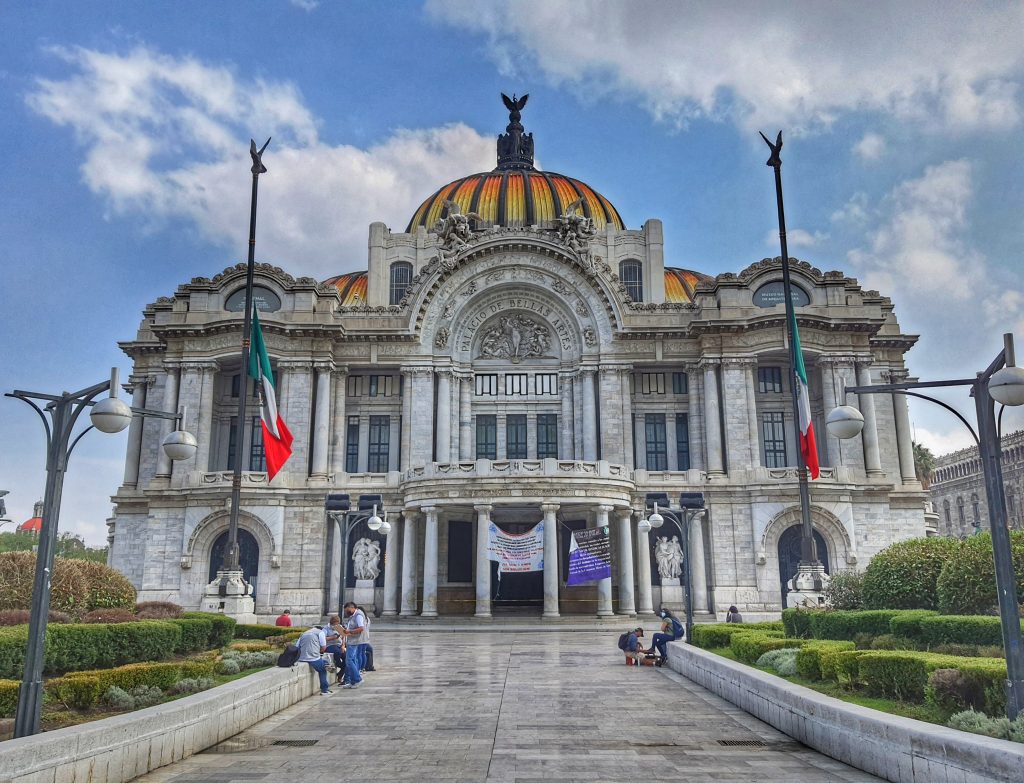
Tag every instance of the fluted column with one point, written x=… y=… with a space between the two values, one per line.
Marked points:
x=627 y=419
x=442 y=446
x=627 y=599
x=712 y=418
x=695 y=415
x=565 y=428
x=904 y=436
x=134 y=454
x=872 y=456
x=589 y=414
x=734 y=385
x=170 y=405
x=643 y=567
x=829 y=394
x=407 y=381
x=390 y=608
x=698 y=573
x=483 y=565
x=466 y=417
x=430 y=563
x=322 y=423
x=550 y=559
x=604 y=586
x=421 y=417
x=339 y=427
x=752 y=421
x=409 y=564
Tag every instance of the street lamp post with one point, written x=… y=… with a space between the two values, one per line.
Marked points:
x=692 y=508
x=1001 y=382
x=339 y=509
x=108 y=415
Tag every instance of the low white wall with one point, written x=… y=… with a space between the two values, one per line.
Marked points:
x=898 y=749
x=118 y=749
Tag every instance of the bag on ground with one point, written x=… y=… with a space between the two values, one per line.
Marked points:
x=289 y=657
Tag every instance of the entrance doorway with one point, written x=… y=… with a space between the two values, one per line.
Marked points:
x=248 y=556
x=516 y=591
x=789 y=555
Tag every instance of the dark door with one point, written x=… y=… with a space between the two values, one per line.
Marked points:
x=248 y=554
x=789 y=556
x=514 y=590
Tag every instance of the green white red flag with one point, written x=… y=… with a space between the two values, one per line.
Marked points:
x=277 y=440
x=808 y=446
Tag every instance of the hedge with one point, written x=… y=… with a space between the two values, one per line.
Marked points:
x=962 y=629
x=904 y=575
x=9 y=697
x=797 y=622
x=908 y=624
x=748 y=647
x=107 y=587
x=223 y=627
x=841 y=665
x=904 y=674
x=195 y=634
x=84 y=689
x=258 y=631
x=809 y=658
x=712 y=635
x=846 y=625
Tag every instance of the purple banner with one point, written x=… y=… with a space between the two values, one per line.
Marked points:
x=590 y=556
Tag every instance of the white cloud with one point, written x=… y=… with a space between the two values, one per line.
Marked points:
x=167 y=138
x=795 y=65
x=854 y=212
x=306 y=5
x=870 y=147
x=796 y=238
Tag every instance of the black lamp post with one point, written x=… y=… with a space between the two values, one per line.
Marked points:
x=339 y=509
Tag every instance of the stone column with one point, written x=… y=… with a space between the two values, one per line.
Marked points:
x=566 y=435
x=695 y=416
x=613 y=429
x=466 y=417
x=627 y=420
x=712 y=418
x=407 y=380
x=904 y=437
x=322 y=422
x=830 y=392
x=872 y=456
x=409 y=564
x=735 y=399
x=339 y=428
x=391 y=572
x=604 y=586
x=421 y=418
x=643 y=563
x=550 y=559
x=589 y=414
x=483 y=565
x=752 y=421
x=442 y=447
x=671 y=452
x=627 y=603
x=134 y=454
x=698 y=573
x=170 y=405
x=430 y=563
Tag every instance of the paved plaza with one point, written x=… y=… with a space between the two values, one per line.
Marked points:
x=510 y=706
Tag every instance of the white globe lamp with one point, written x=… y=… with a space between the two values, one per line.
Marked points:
x=845 y=422
x=1006 y=386
x=180 y=445
x=110 y=415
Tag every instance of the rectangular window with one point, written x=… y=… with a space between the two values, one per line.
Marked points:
x=652 y=383
x=257 y=461
x=516 y=383
x=769 y=380
x=546 y=383
x=236 y=386
x=773 y=436
x=486 y=437
x=381 y=386
x=679 y=383
x=547 y=435
x=355 y=385
x=232 y=442
x=380 y=440
x=682 y=441
x=657 y=450
x=460 y=551
x=352 y=445
x=515 y=437
x=487 y=385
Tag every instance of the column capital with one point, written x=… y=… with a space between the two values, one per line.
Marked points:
x=483 y=508
x=739 y=361
x=445 y=372
x=550 y=508
x=836 y=361
x=323 y=365
x=706 y=363
x=198 y=366
x=137 y=380
x=340 y=371
x=417 y=371
x=588 y=370
x=864 y=360
x=605 y=508
x=430 y=511
x=895 y=375
x=625 y=512
x=410 y=514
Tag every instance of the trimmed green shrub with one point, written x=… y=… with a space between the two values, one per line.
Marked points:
x=712 y=635
x=904 y=575
x=888 y=641
x=748 y=647
x=9 y=698
x=846 y=625
x=158 y=610
x=75 y=691
x=797 y=622
x=840 y=665
x=256 y=631
x=223 y=627
x=808 y=659
x=107 y=587
x=195 y=634
x=112 y=615
x=908 y=624
x=772 y=658
x=904 y=675
x=83 y=689
x=845 y=590
x=228 y=666
x=961 y=629
x=149 y=640
x=967 y=582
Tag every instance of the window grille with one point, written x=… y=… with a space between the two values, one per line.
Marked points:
x=769 y=380
x=657 y=448
x=679 y=383
x=773 y=436
x=352 y=445
x=379 y=446
x=652 y=383
x=546 y=383
x=547 y=435
x=631 y=273
x=515 y=437
x=516 y=383
x=401 y=277
x=487 y=385
x=682 y=441
x=486 y=437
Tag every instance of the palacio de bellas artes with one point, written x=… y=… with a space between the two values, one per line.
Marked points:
x=513 y=355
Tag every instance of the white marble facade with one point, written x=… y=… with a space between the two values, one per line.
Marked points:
x=513 y=379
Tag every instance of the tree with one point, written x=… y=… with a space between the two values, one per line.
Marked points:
x=17 y=542
x=924 y=464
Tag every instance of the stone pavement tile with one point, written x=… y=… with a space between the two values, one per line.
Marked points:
x=511 y=708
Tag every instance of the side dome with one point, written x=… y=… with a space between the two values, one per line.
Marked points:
x=351 y=286
x=681 y=283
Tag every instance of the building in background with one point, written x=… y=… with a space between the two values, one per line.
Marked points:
x=516 y=354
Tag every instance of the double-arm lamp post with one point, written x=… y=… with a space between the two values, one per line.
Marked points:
x=64 y=410
x=1001 y=382
x=339 y=510
x=691 y=504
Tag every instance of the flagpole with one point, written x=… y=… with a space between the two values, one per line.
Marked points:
x=231 y=558
x=810 y=568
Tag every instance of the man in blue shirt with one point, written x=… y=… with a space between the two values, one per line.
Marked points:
x=312 y=645
x=355 y=635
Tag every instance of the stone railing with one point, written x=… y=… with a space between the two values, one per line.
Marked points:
x=548 y=468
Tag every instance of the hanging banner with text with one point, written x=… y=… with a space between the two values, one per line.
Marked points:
x=516 y=553
x=590 y=556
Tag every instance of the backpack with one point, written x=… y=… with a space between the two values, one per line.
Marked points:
x=624 y=641
x=289 y=657
x=677 y=628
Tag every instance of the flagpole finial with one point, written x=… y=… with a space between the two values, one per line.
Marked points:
x=257 y=157
x=774 y=161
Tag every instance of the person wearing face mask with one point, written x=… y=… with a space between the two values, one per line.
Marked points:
x=671 y=630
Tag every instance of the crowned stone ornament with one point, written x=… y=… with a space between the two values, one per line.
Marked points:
x=455 y=232
x=575 y=230
x=365 y=557
x=515 y=337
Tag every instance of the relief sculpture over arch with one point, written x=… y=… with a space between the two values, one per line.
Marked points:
x=515 y=337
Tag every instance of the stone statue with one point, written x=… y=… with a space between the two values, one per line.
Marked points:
x=515 y=338
x=669 y=555
x=365 y=557
x=575 y=230
x=454 y=232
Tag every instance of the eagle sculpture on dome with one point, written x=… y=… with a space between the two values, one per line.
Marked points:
x=515 y=106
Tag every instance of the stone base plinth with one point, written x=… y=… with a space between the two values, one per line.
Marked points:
x=364 y=594
x=672 y=596
x=229 y=594
x=807 y=588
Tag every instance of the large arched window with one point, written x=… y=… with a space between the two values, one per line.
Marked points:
x=945 y=507
x=631 y=273
x=401 y=277
x=960 y=510
x=976 y=509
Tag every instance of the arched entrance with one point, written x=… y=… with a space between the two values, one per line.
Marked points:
x=248 y=555
x=516 y=592
x=789 y=555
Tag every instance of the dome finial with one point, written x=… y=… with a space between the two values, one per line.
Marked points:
x=515 y=148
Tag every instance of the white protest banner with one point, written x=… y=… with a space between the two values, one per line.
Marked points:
x=516 y=553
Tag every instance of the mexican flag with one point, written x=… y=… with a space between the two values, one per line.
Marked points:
x=277 y=440
x=808 y=446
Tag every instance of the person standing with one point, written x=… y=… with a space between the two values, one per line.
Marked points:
x=355 y=630
x=312 y=645
x=284 y=620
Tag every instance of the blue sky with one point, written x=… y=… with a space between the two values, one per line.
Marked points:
x=126 y=166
